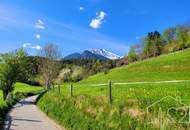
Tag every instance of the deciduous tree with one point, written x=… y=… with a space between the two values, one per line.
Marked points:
x=15 y=67
x=50 y=66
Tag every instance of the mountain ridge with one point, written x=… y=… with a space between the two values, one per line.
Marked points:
x=101 y=54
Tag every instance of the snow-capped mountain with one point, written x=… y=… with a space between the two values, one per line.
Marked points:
x=101 y=54
x=105 y=53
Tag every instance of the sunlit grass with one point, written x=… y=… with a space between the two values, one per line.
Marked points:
x=130 y=102
x=175 y=66
x=21 y=87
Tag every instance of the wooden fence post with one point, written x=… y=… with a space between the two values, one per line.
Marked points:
x=48 y=85
x=110 y=91
x=71 y=89
x=59 y=88
x=53 y=87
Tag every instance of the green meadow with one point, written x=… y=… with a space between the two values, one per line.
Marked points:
x=174 y=66
x=134 y=106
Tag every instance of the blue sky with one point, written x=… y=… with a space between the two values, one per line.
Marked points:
x=76 y=25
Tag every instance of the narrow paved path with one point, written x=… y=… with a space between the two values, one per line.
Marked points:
x=26 y=116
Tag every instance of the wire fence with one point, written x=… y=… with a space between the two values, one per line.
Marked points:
x=144 y=92
x=148 y=101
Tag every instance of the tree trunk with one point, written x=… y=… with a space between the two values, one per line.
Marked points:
x=5 y=94
x=48 y=84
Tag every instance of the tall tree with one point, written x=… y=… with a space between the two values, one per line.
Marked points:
x=50 y=66
x=148 y=42
x=132 y=56
x=157 y=44
x=13 y=69
x=188 y=39
x=153 y=44
x=170 y=35
x=181 y=38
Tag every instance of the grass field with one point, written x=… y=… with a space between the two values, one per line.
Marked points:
x=24 y=88
x=174 y=66
x=137 y=106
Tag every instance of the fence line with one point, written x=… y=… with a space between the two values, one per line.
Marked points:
x=110 y=84
x=155 y=82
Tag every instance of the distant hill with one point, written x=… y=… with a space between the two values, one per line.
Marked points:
x=101 y=54
x=174 y=66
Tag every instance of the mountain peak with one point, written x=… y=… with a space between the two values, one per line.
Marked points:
x=101 y=54
x=105 y=53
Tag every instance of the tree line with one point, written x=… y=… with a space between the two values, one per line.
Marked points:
x=154 y=44
x=68 y=70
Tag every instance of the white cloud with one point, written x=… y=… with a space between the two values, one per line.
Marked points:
x=29 y=45
x=137 y=37
x=38 y=36
x=81 y=8
x=97 y=22
x=39 y=24
x=38 y=47
x=26 y=44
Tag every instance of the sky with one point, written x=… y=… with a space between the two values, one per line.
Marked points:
x=77 y=25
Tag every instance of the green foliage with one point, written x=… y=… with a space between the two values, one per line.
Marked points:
x=89 y=108
x=1 y=60
x=173 y=39
x=76 y=70
x=84 y=113
x=132 y=55
x=188 y=39
x=49 y=67
x=153 y=44
x=25 y=68
x=181 y=38
x=14 y=68
x=169 y=35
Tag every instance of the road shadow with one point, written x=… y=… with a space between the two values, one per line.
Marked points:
x=7 y=124
x=28 y=120
x=23 y=103
x=9 y=120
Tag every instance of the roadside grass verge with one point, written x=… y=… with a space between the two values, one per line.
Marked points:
x=89 y=107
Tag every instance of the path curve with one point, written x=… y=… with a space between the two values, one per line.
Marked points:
x=26 y=116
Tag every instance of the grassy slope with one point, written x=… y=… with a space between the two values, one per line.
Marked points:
x=129 y=101
x=24 y=88
x=174 y=66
